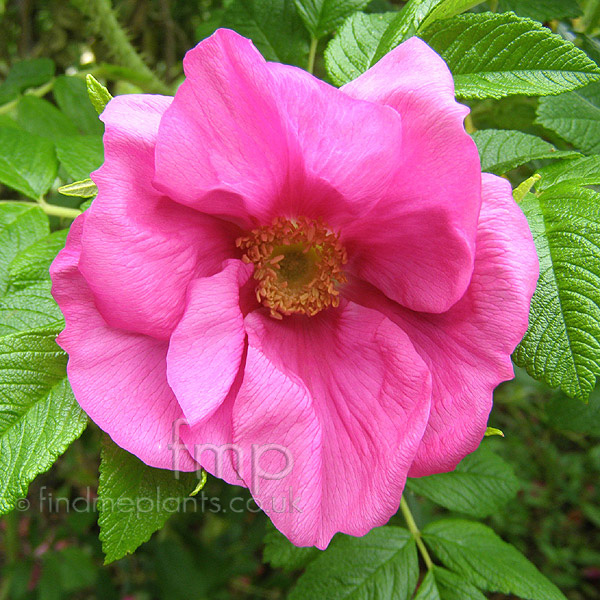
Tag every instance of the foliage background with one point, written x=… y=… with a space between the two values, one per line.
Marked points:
x=46 y=553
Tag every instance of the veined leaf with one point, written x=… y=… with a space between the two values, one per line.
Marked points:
x=501 y=150
x=323 y=16
x=351 y=51
x=541 y=10
x=441 y=584
x=26 y=74
x=581 y=171
x=80 y=154
x=27 y=162
x=98 y=94
x=72 y=97
x=476 y=553
x=280 y=553
x=135 y=500
x=562 y=344
x=80 y=189
x=273 y=25
x=26 y=251
x=382 y=564
x=480 y=485
x=415 y=16
x=495 y=55
x=39 y=416
x=574 y=116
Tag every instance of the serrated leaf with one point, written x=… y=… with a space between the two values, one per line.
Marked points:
x=26 y=74
x=382 y=564
x=454 y=587
x=495 y=55
x=441 y=584
x=572 y=415
x=98 y=94
x=39 y=417
x=27 y=162
x=80 y=189
x=541 y=10
x=415 y=16
x=280 y=553
x=80 y=154
x=574 y=116
x=562 y=344
x=581 y=171
x=481 y=484
x=273 y=25
x=351 y=51
x=40 y=117
x=478 y=555
x=26 y=251
x=323 y=16
x=501 y=150
x=72 y=97
x=428 y=589
x=135 y=500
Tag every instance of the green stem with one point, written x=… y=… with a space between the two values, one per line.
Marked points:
x=58 y=211
x=414 y=531
x=50 y=209
x=312 y=53
x=101 y=15
x=39 y=92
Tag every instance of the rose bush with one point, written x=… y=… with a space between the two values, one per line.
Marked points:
x=323 y=275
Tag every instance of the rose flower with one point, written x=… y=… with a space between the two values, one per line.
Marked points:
x=314 y=289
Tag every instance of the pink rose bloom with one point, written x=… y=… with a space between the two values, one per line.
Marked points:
x=316 y=289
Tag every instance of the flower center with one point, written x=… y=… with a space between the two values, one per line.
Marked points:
x=298 y=265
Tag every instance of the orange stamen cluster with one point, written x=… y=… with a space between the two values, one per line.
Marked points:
x=298 y=265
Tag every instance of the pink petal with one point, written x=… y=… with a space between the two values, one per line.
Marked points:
x=417 y=244
x=278 y=434
x=468 y=348
x=140 y=250
x=118 y=378
x=349 y=148
x=205 y=350
x=222 y=147
x=370 y=394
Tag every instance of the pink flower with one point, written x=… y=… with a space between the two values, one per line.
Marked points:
x=321 y=279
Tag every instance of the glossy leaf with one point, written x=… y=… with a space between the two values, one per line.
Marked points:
x=495 y=55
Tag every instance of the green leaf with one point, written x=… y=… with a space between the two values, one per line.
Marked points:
x=98 y=94
x=441 y=584
x=541 y=10
x=501 y=150
x=495 y=55
x=26 y=74
x=428 y=589
x=80 y=189
x=476 y=553
x=582 y=171
x=80 y=154
x=382 y=564
x=562 y=344
x=273 y=25
x=574 y=116
x=280 y=553
x=323 y=16
x=572 y=415
x=481 y=484
x=27 y=162
x=135 y=500
x=39 y=416
x=414 y=17
x=40 y=117
x=454 y=587
x=351 y=51
x=72 y=97
x=26 y=251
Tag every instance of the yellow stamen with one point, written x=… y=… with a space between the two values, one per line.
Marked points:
x=298 y=265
